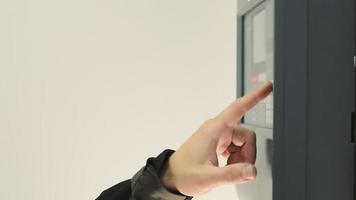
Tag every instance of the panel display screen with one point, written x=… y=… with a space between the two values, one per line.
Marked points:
x=258 y=66
x=259 y=37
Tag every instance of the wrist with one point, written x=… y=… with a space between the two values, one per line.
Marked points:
x=167 y=176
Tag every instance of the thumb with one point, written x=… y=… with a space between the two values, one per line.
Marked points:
x=236 y=173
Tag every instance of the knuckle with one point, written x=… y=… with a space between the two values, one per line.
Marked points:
x=250 y=134
x=225 y=126
x=253 y=135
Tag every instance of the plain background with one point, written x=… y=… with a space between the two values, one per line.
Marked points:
x=90 y=89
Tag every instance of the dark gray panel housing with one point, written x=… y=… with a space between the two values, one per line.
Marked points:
x=314 y=98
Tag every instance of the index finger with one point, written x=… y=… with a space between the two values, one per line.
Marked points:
x=237 y=109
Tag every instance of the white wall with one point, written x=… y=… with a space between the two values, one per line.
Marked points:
x=90 y=89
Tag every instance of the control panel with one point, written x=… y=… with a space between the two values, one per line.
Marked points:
x=258 y=61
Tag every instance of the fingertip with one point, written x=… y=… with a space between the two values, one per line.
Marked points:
x=268 y=86
x=265 y=90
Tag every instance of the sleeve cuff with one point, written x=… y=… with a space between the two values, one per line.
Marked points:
x=146 y=183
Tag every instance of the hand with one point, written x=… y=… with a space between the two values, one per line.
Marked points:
x=194 y=169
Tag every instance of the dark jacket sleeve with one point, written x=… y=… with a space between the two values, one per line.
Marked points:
x=145 y=184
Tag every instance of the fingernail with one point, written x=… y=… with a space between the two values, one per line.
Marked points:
x=247 y=172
